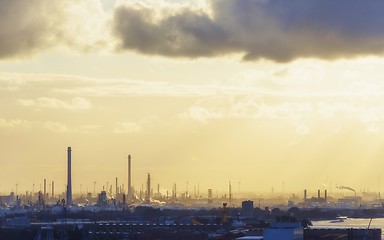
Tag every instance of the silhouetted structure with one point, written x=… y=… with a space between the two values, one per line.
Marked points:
x=117 y=190
x=247 y=208
x=45 y=189
x=69 y=177
x=148 y=192
x=53 y=189
x=129 y=180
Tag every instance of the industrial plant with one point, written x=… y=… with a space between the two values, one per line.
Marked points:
x=116 y=213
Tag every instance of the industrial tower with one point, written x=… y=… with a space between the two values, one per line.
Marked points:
x=69 y=178
x=129 y=180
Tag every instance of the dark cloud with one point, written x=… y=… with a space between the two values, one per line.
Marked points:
x=279 y=30
x=176 y=35
x=30 y=26
x=27 y=26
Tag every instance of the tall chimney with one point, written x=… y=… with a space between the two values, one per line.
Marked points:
x=53 y=189
x=129 y=180
x=325 y=195
x=230 y=193
x=318 y=194
x=148 y=196
x=69 y=177
x=45 y=188
x=305 y=195
x=117 y=189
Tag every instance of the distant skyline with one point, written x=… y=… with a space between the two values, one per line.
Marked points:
x=253 y=91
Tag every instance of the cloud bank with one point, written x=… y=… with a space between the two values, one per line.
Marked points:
x=277 y=30
x=259 y=29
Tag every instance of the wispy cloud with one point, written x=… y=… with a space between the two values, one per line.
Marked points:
x=336 y=91
x=56 y=127
x=50 y=126
x=127 y=127
x=76 y=103
x=200 y=114
x=14 y=123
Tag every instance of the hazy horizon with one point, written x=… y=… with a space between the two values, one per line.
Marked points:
x=265 y=93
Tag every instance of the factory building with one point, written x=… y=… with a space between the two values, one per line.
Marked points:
x=247 y=208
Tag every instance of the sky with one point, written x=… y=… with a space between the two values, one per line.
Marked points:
x=266 y=94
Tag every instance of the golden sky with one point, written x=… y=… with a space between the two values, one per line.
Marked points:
x=257 y=92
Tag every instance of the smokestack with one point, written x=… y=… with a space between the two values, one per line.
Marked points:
x=305 y=195
x=129 y=180
x=117 y=189
x=325 y=195
x=148 y=196
x=53 y=189
x=69 y=178
x=45 y=188
x=230 y=193
x=318 y=194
